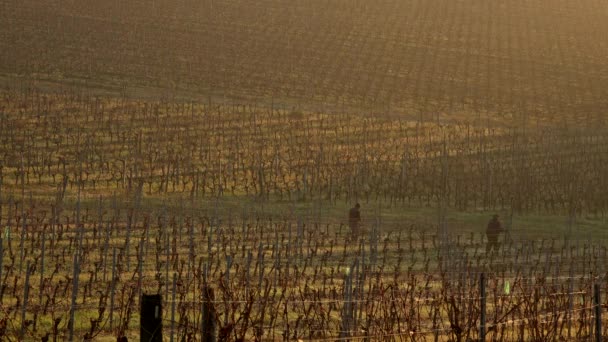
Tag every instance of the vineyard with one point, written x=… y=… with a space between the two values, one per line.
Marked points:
x=209 y=151
x=288 y=279
x=58 y=143
x=107 y=198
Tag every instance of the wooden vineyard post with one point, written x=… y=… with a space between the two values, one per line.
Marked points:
x=260 y=268
x=140 y=272
x=167 y=252
x=570 y=300
x=300 y=240
x=53 y=219
x=210 y=238
x=113 y=287
x=598 y=312
x=23 y=218
x=8 y=224
x=74 y=297
x=248 y=273
x=209 y=328
x=482 y=293
x=361 y=282
x=373 y=247
x=26 y=290
x=173 y=306
x=347 y=308
x=151 y=324
x=1 y=265
x=1 y=182
x=105 y=252
x=356 y=304
x=41 y=267
x=288 y=253
x=22 y=239
x=191 y=262
x=228 y=266
x=277 y=260
x=127 y=240
x=79 y=225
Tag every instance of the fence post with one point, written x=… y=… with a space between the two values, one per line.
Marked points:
x=227 y=280
x=570 y=300
x=173 y=306
x=248 y=273
x=210 y=237
x=128 y=238
x=151 y=324
x=8 y=224
x=1 y=181
x=300 y=240
x=74 y=296
x=191 y=261
x=598 y=312
x=347 y=312
x=105 y=252
x=288 y=253
x=277 y=260
x=260 y=266
x=167 y=254
x=112 y=287
x=43 y=249
x=26 y=290
x=208 y=333
x=53 y=237
x=140 y=271
x=1 y=258
x=482 y=292
x=22 y=239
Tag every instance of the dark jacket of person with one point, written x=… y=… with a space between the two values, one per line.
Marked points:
x=494 y=227
x=354 y=216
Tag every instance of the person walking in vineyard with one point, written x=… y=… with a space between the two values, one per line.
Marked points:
x=354 y=220
x=493 y=230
